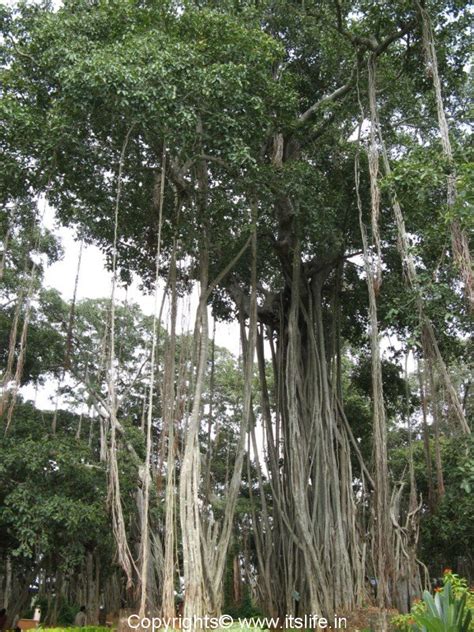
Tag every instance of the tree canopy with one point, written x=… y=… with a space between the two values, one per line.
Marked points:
x=304 y=169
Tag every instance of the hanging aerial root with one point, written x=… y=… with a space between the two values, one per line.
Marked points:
x=382 y=550
x=428 y=337
x=382 y=545
x=459 y=239
x=168 y=598
x=124 y=555
x=145 y=534
x=17 y=350
x=373 y=160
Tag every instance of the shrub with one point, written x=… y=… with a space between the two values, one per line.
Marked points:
x=450 y=610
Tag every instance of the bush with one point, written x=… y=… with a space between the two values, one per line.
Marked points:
x=450 y=610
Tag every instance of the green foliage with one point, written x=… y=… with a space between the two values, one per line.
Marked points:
x=357 y=389
x=44 y=355
x=101 y=69
x=246 y=609
x=52 y=499
x=65 y=611
x=404 y=622
x=451 y=609
x=217 y=84
x=444 y=613
x=448 y=533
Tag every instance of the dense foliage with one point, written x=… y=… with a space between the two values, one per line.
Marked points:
x=304 y=170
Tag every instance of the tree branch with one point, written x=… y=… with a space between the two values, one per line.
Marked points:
x=228 y=267
x=337 y=94
x=369 y=43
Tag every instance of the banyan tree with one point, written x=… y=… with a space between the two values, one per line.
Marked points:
x=260 y=157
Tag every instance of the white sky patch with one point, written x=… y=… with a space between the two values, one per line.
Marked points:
x=95 y=282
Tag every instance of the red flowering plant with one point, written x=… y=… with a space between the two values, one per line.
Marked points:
x=423 y=614
x=444 y=613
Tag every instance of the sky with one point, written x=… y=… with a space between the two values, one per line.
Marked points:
x=95 y=281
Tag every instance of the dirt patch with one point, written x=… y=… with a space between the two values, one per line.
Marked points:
x=369 y=619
